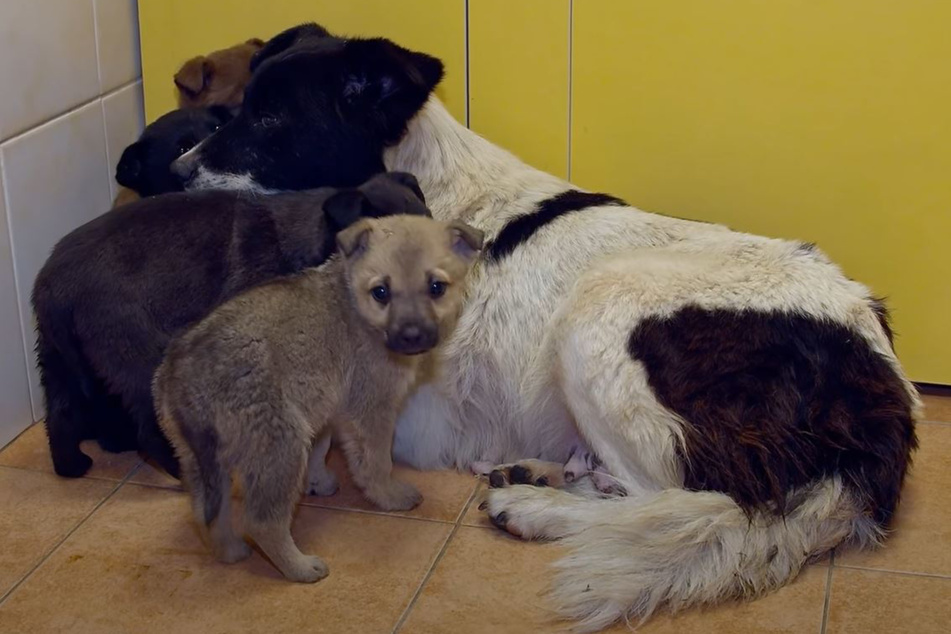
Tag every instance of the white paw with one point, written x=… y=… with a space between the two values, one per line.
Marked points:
x=308 y=569
x=324 y=485
x=520 y=510
x=396 y=495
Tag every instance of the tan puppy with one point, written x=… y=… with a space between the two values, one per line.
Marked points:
x=216 y=79
x=253 y=388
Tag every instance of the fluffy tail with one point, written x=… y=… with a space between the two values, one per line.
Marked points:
x=630 y=557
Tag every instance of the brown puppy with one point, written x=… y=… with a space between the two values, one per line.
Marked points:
x=216 y=79
x=253 y=388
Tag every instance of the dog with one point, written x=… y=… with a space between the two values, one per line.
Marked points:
x=116 y=290
x=251 y=388
x=143 y=169
x=740 y=390
x=217 y=79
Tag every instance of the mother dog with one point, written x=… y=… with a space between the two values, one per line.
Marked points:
x=741 y=389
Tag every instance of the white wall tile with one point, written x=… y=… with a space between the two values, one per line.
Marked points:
x=56 y=180
x=125 y=119
x=15 y=413
x=118 y=33
x=47 y=60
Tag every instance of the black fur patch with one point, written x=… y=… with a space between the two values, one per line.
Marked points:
x=775 y=401
x=520 y=229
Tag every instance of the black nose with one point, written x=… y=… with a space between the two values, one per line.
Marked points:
x=184 y=168
x=413 y=339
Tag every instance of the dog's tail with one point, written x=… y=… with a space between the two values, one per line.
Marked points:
x=630 y=556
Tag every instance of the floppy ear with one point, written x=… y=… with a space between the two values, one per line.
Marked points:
x=193 y=77
x=285 y=40
x=129 y=169
x=353 y=240
x=386 y=82
x=256 y=42
x=466 y=240
x=345 y=208
x=408 y=181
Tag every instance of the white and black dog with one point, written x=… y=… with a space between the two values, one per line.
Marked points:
x=741 y=390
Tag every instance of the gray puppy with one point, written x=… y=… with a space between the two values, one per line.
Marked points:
x=253 y=388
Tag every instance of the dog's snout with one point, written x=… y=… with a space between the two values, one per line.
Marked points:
x=184 y=167
x=413 y=339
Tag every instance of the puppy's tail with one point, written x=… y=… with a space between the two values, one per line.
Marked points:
x=678 y=549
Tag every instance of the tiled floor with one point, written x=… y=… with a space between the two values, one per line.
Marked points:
x=117 y=552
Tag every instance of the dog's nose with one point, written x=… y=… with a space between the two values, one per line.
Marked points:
x=413 y=339
x=184 y=167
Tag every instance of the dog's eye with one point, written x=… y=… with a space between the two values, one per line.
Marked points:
x=437 y=289
x=381 y=294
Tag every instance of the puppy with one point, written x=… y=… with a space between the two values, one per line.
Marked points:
x=143 y=169
x=217 y=79
x=116 y=290
x=250 y=389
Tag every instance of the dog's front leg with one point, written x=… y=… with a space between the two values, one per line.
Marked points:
x=368 y=446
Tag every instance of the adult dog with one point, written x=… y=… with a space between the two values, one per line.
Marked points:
x=741 y=389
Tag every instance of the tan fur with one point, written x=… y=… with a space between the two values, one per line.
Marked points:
x=256 y=385
x=216 y=79
x=125 y=196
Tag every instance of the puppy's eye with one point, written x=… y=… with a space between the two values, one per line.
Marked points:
x=381 y=294
x=437 y=289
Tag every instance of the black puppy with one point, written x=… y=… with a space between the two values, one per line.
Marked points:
x=116 y=290
x=319 y=109
x=144 y=166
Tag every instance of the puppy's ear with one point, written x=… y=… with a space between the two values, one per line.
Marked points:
x=256 y=42
x=466 y=241
x=353 y=240
x=285 y=40
x=387 y=83
x=347 y=207
x=193 y=77
x=408 y=181
x=222 y=113
x=129 y=169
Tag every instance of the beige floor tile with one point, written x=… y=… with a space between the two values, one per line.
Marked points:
x=445 y=493
x=152 y=475
x=36 y=511
x=139 y=565
x=475 y=517
x=489 y=582
x=921 y=537
x=31 y=451
x=865 y=602
x=937 y=408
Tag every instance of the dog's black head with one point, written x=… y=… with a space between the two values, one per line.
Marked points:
x=388 y=194
x=144 y=166
x=319 y=111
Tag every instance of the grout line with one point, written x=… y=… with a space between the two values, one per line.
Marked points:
x=69 y=534
x=429 y=573
x=61 y=115
x=95 y=30
x=84 y=477
x=904 y=573
x=468 y=114
x=828 y=596
x=571 y=29
x=934 y=422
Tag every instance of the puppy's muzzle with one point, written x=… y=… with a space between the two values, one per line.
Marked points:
x=412 y=339
x=185 y=167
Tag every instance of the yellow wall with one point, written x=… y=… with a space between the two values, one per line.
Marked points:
x=824 y=121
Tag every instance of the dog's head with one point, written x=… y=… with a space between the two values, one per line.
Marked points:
x=406 y=275
x=217 y=79
x=144 y=165
x=388 y=194
x=319 y=111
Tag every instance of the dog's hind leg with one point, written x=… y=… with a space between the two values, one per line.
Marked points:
x=320 y=479
x=272 y=488
x=66 y=404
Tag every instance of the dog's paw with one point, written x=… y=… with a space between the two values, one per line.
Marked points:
x=520 y=510
x=535 y=472
x=233 y=552
x=396 y=495
x=75 y=466
x=307 y=569
x=324 y=486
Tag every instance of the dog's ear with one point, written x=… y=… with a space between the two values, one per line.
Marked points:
x=466 y=241
x=194 y=75
x=347 y=207
x=353 y=240
x=256 y=42
x=387 y=82
x=408 y=181
x=129 y=169
x=223 y=114
x=285 y=40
